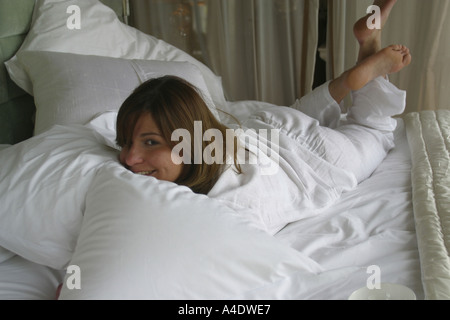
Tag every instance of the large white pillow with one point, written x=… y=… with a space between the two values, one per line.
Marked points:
x=147 y=239
x=72 y=88
x=101 y=33
x=43 y=183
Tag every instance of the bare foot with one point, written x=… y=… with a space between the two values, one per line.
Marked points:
x=370 y=39
x=387 y=61
x=372 y=61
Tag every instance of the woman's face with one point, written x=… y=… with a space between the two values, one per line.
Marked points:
x=149 y=153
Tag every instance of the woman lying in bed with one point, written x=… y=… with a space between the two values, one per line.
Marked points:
x=332 y=156
x=156 y=109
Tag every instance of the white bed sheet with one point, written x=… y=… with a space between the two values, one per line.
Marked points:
x=21 y=279
x=372 y=225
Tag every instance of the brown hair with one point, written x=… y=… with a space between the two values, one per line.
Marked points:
x=174 y=104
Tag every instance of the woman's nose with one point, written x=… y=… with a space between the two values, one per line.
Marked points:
x=133 y=156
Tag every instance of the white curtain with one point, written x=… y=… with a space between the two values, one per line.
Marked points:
x=423 y=26
x=263 y=49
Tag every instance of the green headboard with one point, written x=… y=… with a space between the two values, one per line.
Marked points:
x=16 y=106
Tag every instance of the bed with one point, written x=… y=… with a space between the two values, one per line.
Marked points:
x=72 y=215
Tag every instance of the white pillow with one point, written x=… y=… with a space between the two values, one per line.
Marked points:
x=43 y=183
x=72 y=88
x=101 y=33
x=147 y=239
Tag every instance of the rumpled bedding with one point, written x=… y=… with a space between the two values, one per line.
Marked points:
x=343 y=241
x=316 y=276
x=428 y=135
x=291 y=181
x=308 y=166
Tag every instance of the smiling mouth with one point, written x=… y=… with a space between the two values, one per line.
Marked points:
x=146 y=173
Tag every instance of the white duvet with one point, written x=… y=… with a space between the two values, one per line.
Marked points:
x=323 y=257
x=69 y=202
x=45 y=181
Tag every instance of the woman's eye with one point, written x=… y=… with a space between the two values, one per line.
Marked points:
x=151 y=142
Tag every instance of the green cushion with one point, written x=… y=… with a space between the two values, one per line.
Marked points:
x=16 y=106
x=15 y=17
x=16 y=120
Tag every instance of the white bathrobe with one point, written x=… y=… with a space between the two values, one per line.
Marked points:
x=315 y=157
